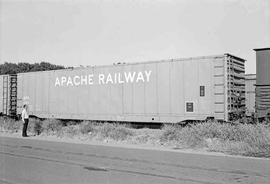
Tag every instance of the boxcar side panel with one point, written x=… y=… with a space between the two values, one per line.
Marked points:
x=4 y=94
x=2 y=103
x=191 y=88
x=1 y=94
x=262 y=67
x=163 y=88
x=205 y=79
x=138 y=94
x=250 y=82
x=128 y=99
x=176 y=88
x=148 y=92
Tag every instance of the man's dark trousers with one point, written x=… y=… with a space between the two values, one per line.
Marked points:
x=25 y=124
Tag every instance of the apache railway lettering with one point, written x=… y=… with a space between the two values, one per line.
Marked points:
x=115 y=78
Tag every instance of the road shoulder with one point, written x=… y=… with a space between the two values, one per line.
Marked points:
x=121 y=145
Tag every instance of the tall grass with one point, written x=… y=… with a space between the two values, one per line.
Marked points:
x=237 y=138
x=52 y=126
x=245 y=139
x=87 y=127
x=114 y=131
x=10 y=125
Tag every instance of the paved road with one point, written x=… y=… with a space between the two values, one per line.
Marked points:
x=27 y=161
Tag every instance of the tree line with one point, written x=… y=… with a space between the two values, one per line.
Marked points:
x=13 y=68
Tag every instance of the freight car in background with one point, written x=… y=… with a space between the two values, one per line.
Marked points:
x=263 y=82
x=160 y=91
x=8 y=94
x=250 y=82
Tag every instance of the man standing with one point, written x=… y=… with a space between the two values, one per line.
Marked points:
x=25 y=119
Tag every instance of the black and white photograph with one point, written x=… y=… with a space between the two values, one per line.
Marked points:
x=134 y=91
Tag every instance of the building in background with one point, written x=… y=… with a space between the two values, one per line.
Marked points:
x=262 y=82
x=250 y=83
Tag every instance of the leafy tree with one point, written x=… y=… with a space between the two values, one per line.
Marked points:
x=13 y=68
x=24 y=67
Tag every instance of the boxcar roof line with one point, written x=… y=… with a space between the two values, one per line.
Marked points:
x=146 y=62
x=259 y=49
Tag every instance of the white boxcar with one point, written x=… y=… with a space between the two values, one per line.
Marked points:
x=8 y=95
x=159 y=91
x=262 y=82
x=4 y=94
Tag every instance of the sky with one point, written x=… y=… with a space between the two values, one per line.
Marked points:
x=103 y=32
